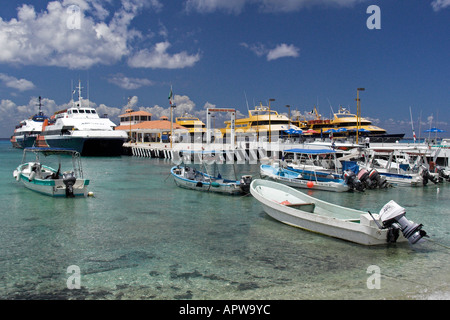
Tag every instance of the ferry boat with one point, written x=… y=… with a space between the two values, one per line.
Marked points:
x=345 y=123
x=262 y=120
x=27 y=130
x=195 y=127
x=193 y=124
x=82 y=129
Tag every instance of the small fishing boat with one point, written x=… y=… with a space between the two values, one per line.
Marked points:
x=47 y=180
x=296 y=179
x=297 y=209
x=191 y=178
x=400 y=166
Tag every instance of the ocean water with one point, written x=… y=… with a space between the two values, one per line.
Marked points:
x=141 y=237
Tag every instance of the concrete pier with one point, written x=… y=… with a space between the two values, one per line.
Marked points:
x=252 y=151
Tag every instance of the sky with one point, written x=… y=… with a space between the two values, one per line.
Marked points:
x=229 y=54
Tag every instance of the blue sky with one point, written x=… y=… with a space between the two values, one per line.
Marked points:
x=224 y=53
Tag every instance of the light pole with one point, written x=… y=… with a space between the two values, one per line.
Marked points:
x=289 y=116
x=358 y=112
x=270 y=130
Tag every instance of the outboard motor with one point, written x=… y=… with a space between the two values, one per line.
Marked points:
x=377 y=179
x=352 y=181
x=393 y=216
x=426 y=175
x=442 y=174
x=363 y=176
x=69 y=180
x=245 y=183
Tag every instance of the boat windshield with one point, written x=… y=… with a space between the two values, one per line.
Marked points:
x=263 y=112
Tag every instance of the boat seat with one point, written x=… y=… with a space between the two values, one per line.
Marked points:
x=308 y=207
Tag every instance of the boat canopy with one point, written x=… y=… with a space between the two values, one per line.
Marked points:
x=311 y=151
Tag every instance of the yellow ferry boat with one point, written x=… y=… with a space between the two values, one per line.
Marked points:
x=193 y=124
x=262 y=120
x=345 y=123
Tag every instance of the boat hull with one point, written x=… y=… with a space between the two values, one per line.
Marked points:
x=86 y=146
x=50 y=187
x=21 y=142
x=328 y=219
x=209 y=185
x=294 y=179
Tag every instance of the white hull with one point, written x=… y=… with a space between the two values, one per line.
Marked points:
x=56 y=190
x=328 y=219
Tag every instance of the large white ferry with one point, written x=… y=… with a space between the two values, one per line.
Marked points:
x=82 y=129
x=27 y=130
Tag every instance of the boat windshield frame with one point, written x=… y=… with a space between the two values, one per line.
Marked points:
x=76 y=156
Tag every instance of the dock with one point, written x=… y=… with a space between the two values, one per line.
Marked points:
x=252 y=152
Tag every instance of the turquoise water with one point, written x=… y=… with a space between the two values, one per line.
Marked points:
x=141 y=237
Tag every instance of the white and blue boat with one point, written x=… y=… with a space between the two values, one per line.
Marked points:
x=401 y=166
x=191 y=178
x=296 y=179
x=49 y=181
x=81 y=128
x=28 y=130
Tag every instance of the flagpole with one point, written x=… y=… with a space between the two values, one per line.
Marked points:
x=171 y=117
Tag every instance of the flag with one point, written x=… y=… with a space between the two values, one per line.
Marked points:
x=414 y=135
x=170 y=95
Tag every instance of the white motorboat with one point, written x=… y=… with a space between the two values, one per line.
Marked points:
x=47 y=180
x=400 y=166
x=295 y=208
x=82 y=129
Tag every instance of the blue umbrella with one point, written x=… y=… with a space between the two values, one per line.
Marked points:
x=434 y=130
x=331 y=131
x=342 y=130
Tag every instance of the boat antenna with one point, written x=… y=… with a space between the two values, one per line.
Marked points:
x=40 y=106
x=79 y=92
x=412 y=124
x=88 y=89
x=331 y=107
x=246 y=101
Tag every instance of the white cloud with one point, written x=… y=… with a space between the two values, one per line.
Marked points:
x=159 y=58
x=283 y=50
x=13 y=82
x=440 y=4
x=258 y=48
x=129 y=83
x=68 y=38
x=237 y=6
x=280 y=51
x=207 y=6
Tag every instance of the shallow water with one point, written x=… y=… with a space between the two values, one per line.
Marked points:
x=141 y=237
